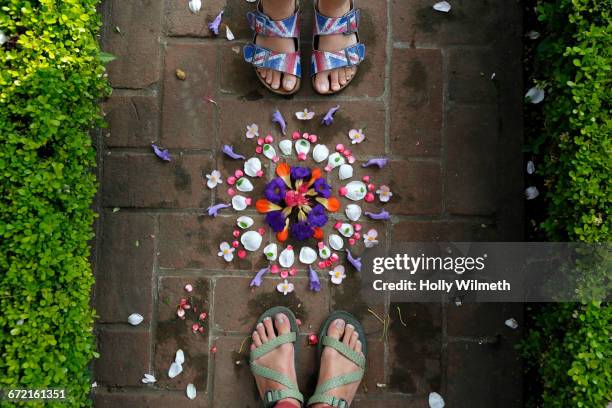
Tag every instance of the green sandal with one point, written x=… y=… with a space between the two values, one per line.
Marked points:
x=320 y=395
x=271 y=397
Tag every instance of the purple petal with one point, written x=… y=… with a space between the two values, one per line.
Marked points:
x=277 y=117
x=214 y=26
x=162 y=154
x=313 y=278
x=328 y=119
x=380 y=162
x=257 y=279
x=229 y=151
x=356 y=262
x=382 y=215
x=213 y=210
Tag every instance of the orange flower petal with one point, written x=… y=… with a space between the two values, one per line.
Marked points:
x=333 y=204
x=318 y=233
x=283 y=170
x=316 y=174
x=283 y=235
x=263 y=206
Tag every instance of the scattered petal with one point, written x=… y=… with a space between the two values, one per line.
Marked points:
x=226 y=251
x=379 y=162
x=3 y=37
x=443 y=6
x=337 y=274
x=148 y=379
x=195 y=5
x=244 y=222
x=213 y=210
x=191 y=391
x=277 y=117
x=163 y=154
x=257 y=279
x=320 y=153
x=229 y=151
x=286 y=147
x=305 y=114
x=175 y=369
x=188 y=288
x=287 y=257
x=252 y=167
x=228 y=34
x=531 y=193
x=252 y=131
x=251 y=240
x=530 y=167
x=239 y=202
x=285 y=287
x=307 y=255
x=535 y=95
x=369 y=238
x=179 y=358
x=328 y=119
x=512 y=323
x=271 y=252
x=214 y=26
x=135 y=319
x=356 y=190
x=214 y=179
x=382 y=215
x=384 y=193
x=353 y=212
x=314 y=283
x=533 y=35
x=336 y=242
x=356 y=262
x=356 y=136
x=436 y=400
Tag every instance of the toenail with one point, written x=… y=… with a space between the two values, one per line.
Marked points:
x=340 y=323
x=259 y=325
x=280 y=318
x=350 y=326
x=267 y=318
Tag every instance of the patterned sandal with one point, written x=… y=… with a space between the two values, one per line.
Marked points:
x=320 y=395
x=351 y=56
x=271 y=397
x=261 y=57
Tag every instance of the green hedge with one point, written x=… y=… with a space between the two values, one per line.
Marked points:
x=50 y=81
x=568 y=347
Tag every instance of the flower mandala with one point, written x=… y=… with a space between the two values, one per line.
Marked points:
x=298 y=202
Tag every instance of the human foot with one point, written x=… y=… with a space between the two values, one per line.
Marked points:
x=334 y=364
x=277 y=10
x=281 y=359
x=337 y=78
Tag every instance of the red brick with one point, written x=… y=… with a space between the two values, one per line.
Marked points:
x=148 y=398
x=144 y=181
x=444 y=231
x=188 y=120
x=133 y=120
x=237 y=306
x=186 y=242
x=124 y=356
x=471 y=160
x=416 y=102
x=125 y=271
x=136 y=45
x=173 y=333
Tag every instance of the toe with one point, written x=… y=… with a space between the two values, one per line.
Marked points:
x=358 y=346
x=253 y=347
x=262 y=72
x=335 y=85
x=342 y=76
x=353 y=340
x=322 y=82
x=336 y=328
x=256 y=339
x=289 y=82
x=348 y=333
x=283 y=326
x=269 y=328
x=269 y=77
x=261 y=330
x=350 y=73
x=276 y=77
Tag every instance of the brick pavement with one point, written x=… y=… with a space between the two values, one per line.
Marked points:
x=426 y=92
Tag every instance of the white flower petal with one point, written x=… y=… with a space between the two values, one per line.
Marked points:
x=195 y=5
x=443 y=6
x=271 y=252
x=251 y=240
x=345 y=172
x=229 y=256
x=320 y=153
x=148 y=379
x=353 y=212
x=356 y=190
x=175 y=369
x=244 y=185
x=191 y=391
x=135 y=319
x=286 y=146
x=287 y=257
x=436 y=400
x=3 y=37
x=228 y=34
x=239 y=202
x=307 y=255
x=530 y=167
x=244 y=222
x=252 y=166
x=269 y=151
x=179 y=358
x=512 y=323
x=531 y=193
x=535 y=95
x=533 y=35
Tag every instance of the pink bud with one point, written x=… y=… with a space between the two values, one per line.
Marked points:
x=293 y=271
x=321 y=245
x=339 y=147
x=213 y=350
x=342 y=191
x=235 y=244
x=298 y=321
x=351 y=159
x=261 y=230
x=337 y=225
x=351 y=241
x=231 y=180
x=236 y=233
x=238 y=173
x=357 y=236
x=371 y=187
x=302 y=156
x=284 y=274
x=369 y=197
x=195 y=327
x=313 y=138
x=258 y=149
x=242 y=254
x=334 y=257
x=321 y=264
x=183 y=302
x=357 y=227
x=295 y=135
x=201 y=329
x=327 y=169
x=305 y=136
x=231 y=192
x=328 y=262
x=260 y=141
x=203 y=316
x=248 y=200
x=188 y=288
x=346 y=153
x=269 y=139
x=312 y=339
x=366 y=179
x=260 y=173
x=275 y=159
x=289 y=247
x=274 y=269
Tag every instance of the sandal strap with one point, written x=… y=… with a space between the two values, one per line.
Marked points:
x=347 y=24
x=271 y=397
x=272 y=344
x=261 y=24
x=320 y=395
x=326 y=60
x=260 y=57
x=328 y=400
